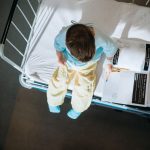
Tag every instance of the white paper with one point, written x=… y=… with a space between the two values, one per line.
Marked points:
x=132 y=55
x=119 y=88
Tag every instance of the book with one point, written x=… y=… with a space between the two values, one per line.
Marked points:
x=128 y=83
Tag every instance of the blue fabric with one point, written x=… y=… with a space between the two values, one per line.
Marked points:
x=102 y=43
x=73 y=114
x=54 y=109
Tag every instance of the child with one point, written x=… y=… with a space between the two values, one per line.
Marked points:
x=78 y=48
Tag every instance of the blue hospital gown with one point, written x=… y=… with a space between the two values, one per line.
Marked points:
x=102 y=43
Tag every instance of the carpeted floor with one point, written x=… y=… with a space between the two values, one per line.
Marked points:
x=33 y=127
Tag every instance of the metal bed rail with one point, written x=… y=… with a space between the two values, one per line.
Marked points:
x=11 y=23
x=144 y=112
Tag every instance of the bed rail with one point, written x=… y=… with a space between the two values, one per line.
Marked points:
x=4 y=36
x=5 y=42
x=3 y=39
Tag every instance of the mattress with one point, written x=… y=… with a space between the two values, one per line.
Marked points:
x=116 y=19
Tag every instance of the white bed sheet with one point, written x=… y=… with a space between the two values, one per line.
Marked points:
x=118 y=20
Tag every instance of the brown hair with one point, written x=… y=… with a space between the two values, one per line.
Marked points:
x=81 y=42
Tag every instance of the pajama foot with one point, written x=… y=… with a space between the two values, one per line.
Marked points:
x=73 y=114
x=54 y=109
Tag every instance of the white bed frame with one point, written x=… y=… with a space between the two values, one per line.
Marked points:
x=26 y=82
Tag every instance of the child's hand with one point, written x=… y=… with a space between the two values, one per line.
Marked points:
x=108 y=70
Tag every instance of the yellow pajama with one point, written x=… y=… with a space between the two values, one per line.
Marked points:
x=84 y=86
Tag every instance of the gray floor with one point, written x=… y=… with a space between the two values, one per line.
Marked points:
x=26 y=124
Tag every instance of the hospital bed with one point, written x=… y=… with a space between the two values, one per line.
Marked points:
x=38 y=23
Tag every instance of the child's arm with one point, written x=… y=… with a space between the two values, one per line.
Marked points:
x=110 y=49
x=109 y=66
x=59 y=44
x=61 y=59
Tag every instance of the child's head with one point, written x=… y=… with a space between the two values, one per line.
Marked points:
x=81 y=42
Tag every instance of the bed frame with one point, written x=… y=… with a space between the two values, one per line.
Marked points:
x=25 y=81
